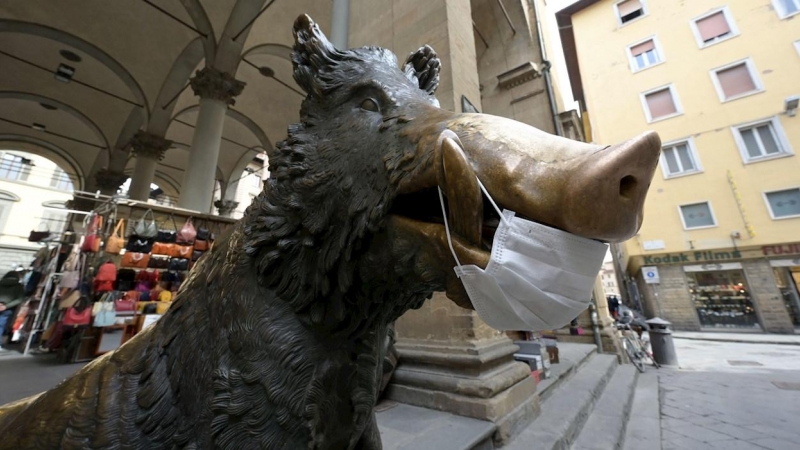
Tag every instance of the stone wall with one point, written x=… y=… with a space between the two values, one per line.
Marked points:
x=673 y=302
x=772 y=314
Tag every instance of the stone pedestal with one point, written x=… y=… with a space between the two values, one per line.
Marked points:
x=108 y=181
x=148 y=149
x=450 y=360
x=226 y=207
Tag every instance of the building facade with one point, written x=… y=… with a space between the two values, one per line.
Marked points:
x=718 y=80
x=609 y=279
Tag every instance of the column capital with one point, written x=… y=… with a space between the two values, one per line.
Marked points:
x=148 y=145
x=226 y=207
x=214 y=84
x=108 y=180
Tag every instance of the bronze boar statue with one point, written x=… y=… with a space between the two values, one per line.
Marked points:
x=275 y=340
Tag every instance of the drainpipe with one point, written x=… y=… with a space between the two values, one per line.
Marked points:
x=546 y=70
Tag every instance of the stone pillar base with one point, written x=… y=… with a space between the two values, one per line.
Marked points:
x=478 y=379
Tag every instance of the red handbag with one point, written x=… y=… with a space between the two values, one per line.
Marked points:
x=91 y=243
x=125 y=304
x=77 y=317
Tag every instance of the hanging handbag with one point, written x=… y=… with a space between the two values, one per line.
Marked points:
x=91 y=242
x=200 y=245
x=69 y=300
x=187 y=233
x=145 y=228
x=128 y=302
x=78 y=314
x=71 y=269
x=182 y=251
x=178 y=264
x=139 y=244
x=104 y=312
x=168 y=236
x=115 y=242
x=196 y=255
x=161 y=248
x=158 y=262
x=38 y=236
x=126 y=279
x=202 y=232
x=134 y=259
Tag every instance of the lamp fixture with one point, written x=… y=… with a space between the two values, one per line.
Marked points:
x=64 y=73
x=790 y=105
x=266 y=71
x=38 y=126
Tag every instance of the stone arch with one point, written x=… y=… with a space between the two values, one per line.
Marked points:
x=237 y=29
x=243 y=119
x=16 y=26
x=202 y=23
x=46 y=149
x=279 y=50
x=64 y=107
x=10 y=196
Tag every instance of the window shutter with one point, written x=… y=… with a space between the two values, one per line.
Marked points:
x=735 y=80
x=628 y=7
x=644 y=47
x=660 y=103
x=713 y=26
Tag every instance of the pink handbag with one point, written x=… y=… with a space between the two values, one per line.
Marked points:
x=187 y=233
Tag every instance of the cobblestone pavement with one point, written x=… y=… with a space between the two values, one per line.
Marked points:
x=731 y=396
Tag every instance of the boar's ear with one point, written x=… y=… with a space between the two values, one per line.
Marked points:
x=423 y=67
x=311 y=55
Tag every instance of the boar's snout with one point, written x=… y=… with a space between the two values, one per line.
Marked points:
x=605 y=195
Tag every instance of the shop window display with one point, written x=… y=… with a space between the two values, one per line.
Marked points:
x=722 y=299
x=788 y=279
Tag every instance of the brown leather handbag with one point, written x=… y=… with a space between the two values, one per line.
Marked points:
x=182 y=251
x=115 y=242
x=161 y=248
x=136 y=260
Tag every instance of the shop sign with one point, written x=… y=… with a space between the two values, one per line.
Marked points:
x=710 y=267
x=699 y=256
x=650 y=274
x=786 y=249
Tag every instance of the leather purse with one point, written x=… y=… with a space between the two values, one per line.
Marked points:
x=115 y=242
x=201 y=245
x=128 y=302
x=135 y=259
x=145 y=228
x=38 y=236
x=139 y=244
x=182 y=251
x=78 y=314
x=161 y=248
x=187 y=233
x=158 y=262
x=70 y=299
x=196 y=255
x=91 y=243
x=168 y=236
x=203 y=232
x=178 y=264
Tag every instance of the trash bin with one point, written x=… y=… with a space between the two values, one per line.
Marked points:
x=661 y=342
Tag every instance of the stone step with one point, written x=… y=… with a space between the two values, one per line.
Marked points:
x=644 y=426
x=567 y=408
x=572 y=357
x=605 y=428
x=406 y=427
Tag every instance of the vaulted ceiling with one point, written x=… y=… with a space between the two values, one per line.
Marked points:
x=132 y=62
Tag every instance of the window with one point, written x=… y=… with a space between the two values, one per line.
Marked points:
x=661 y=103
x=786 y=8
x=644 y=54
x=255 y=180
x=53 y=221
x=736 y=80
x=679 y=159
x=761 y=140
x=630 y=10
x=714 y=27
x=13 y=167
x=60 y=180
x=697 y=215
x=783 y=204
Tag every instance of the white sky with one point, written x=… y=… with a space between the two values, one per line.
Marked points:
x=556 y=56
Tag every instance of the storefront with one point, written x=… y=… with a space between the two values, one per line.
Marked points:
x=747 y=288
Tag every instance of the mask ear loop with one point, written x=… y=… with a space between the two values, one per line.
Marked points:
x=491 y=200
x=447 y=229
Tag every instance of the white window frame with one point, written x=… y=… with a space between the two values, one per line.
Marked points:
x=751 y=69
x=659 y=51
x=728 y=17
x=692 y=150
x=769 y=207
x=779 y=10
x=780 y=136
x=710 y=209
x=675 y=99
x=645 y=13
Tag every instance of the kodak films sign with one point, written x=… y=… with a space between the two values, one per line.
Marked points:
x=704 y=256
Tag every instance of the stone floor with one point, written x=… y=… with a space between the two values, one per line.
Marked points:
x=731 y=396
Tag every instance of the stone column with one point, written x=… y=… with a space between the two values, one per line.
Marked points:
x=340 y=23
x=108 y=181
x=148 y=149
x=216 y=91
x=767 y=297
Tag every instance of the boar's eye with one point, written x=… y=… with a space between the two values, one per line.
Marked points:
x=370 y=105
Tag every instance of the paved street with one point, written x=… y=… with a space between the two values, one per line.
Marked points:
x=731 y=396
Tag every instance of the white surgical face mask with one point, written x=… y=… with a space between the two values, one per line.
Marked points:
x=538 y=278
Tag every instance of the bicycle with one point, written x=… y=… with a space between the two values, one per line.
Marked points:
x=635 y=347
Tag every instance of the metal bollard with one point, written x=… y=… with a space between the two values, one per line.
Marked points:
x=661 y=342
